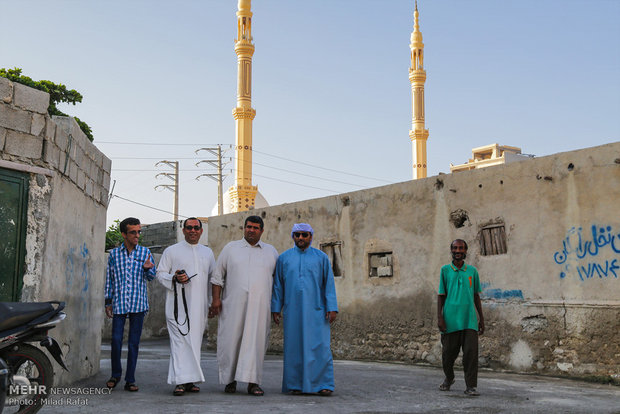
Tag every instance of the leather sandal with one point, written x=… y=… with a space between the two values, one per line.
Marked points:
x=131 y=387
x=231 y=388
x=445 y=385
x=256 y=390
x=179 y=390
x=191 y=387
x=325 y=393
x=111 y=383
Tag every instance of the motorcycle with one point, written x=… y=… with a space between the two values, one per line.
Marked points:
x=26 y=373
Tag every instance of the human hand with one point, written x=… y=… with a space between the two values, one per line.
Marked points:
x=181 y=277
x=148 y=265
x=331 y=316
x=481 y=327
x=276 y=317
x=108 y=311
x=441 y=324
x=216 y=307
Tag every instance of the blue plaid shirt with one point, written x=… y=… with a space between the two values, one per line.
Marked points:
x=126 y=279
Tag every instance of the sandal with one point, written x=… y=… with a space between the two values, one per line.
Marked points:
x=111 y=383
x=445 y=385
x=231 y=388
x=131 y=387
x=191 y=387
x=256 y=390
x=471 y=392
x=179 y=390
x=295 y=392
x=325 y=393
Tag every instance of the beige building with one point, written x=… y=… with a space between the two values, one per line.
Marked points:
x=544 y=235
x=490 y=155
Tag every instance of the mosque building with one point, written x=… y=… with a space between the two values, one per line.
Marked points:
x=243 y=196
x=417 y=76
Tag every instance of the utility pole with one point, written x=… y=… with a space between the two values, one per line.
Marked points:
x=217 y=163
x=174 y=187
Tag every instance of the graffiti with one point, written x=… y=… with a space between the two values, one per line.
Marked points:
x=77 y=259
x=580 y=253
x=575 y=243
x=609 y=269
x=84 y=253
x=70 y=266
x=494 y=293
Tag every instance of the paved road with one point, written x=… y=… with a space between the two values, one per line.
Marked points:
x=361 y=387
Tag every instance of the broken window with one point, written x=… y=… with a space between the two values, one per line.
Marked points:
x=334 y=251
x=493 y=240
x=380 y=264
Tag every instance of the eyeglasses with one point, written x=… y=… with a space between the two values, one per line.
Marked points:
x=192 y=228
x=301 y=234
x=134 y=232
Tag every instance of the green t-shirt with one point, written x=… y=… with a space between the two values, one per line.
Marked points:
x=459 y=286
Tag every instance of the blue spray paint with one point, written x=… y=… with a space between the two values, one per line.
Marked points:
x=580 y=251
x=494 y=293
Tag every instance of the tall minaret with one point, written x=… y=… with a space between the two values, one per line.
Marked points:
x=243 y=193
x=417 y=77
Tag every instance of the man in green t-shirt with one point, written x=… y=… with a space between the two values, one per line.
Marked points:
x=459 y=317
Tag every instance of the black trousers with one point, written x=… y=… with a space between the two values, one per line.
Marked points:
x=451 y=345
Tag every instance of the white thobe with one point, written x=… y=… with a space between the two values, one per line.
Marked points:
x=198 y=260
x=245 y=273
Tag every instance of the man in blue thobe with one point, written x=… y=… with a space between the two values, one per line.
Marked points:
x=305 y=292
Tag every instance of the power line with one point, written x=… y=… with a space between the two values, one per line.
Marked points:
x=302 y=185
x=153 y=158
x=149 y=143
x=147 y=206
x=322 y=168
x=308 y=175
x=253 y=150
x=266 y=166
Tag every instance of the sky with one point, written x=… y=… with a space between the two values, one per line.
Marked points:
x=330 y=87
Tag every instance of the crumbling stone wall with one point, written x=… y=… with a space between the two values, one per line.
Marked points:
x=67 y=201
x=543 y=233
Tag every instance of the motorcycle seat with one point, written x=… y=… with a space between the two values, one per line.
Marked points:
x=14 y=314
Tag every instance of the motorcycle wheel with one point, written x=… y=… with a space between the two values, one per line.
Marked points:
x=30 y=362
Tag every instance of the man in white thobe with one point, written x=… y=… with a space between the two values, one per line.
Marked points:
x=243 y=279
x=185 y=268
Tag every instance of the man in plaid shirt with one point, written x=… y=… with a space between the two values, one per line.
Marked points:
x=129 y=268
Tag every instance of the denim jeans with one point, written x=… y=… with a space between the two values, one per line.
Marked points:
x=133 y=343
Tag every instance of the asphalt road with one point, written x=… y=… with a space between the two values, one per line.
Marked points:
x=361 y=387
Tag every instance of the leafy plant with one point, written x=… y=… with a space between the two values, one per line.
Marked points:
x=113 y=236
x=58 y=93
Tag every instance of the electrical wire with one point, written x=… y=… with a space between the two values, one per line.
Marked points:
x=144 y=205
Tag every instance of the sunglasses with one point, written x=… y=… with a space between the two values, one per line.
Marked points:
x=301 y=234
x=134 y=232
x=192 y=228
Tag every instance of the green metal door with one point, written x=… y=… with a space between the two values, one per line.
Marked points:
x=13 y=206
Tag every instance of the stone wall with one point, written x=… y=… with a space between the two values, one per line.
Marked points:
x=543 y=233
x=67 y=201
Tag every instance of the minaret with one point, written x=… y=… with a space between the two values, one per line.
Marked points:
x=243 y=193
x=417 y=77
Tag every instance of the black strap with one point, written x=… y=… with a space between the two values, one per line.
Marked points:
x=176 y=307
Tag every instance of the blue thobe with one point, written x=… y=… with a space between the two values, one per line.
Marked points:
x=304 y=291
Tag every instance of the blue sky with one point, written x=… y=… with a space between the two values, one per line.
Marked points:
x=330 y=86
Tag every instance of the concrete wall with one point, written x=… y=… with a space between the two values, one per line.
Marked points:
x=158 y=236
x=69 y=183
x=551 y=301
